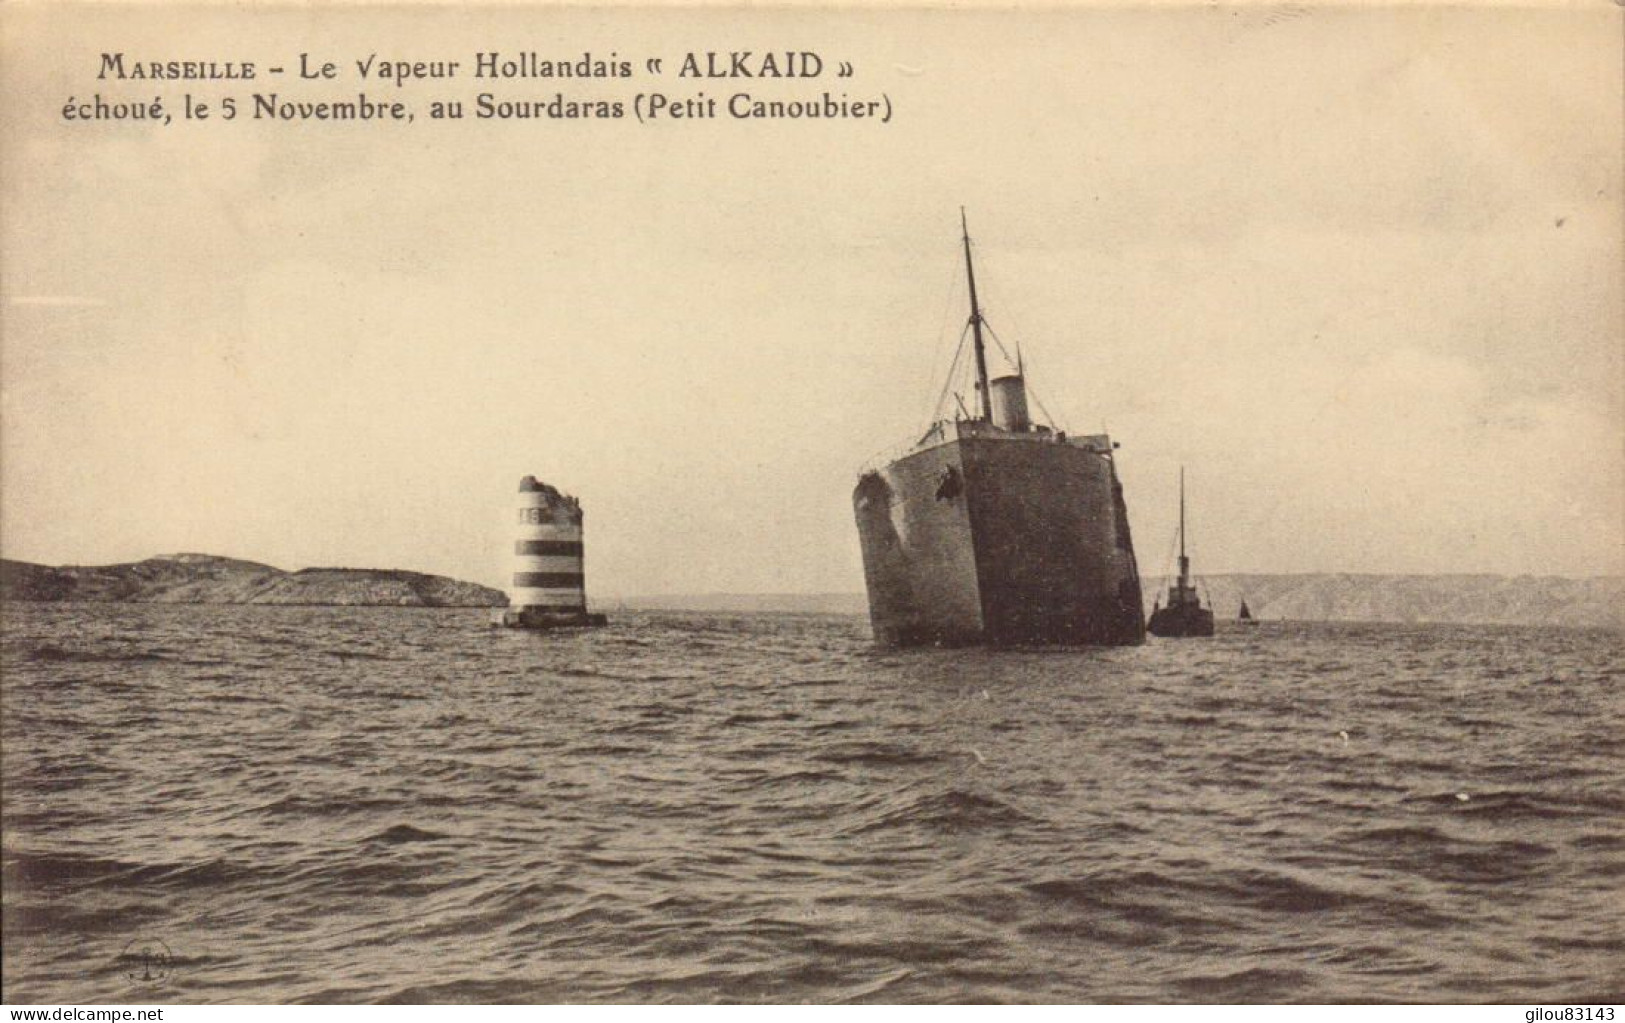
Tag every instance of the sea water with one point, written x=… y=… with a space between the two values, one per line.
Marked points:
x=209 y=804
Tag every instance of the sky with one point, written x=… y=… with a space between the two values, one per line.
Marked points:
x=1357 y=269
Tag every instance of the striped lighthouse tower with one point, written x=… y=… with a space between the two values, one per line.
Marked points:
x=548 y=588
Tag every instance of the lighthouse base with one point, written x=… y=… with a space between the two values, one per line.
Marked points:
x=543 y=619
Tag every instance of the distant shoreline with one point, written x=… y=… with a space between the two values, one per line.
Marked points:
x=1465 y=599
x=1597 y=601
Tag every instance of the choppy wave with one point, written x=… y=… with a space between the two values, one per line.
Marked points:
x=376 y=805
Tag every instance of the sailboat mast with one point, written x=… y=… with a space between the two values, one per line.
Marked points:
x=985 y=404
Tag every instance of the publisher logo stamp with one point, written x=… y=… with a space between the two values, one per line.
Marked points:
x=146 y=961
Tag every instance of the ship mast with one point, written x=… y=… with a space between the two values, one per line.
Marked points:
x=985 y=400
x=1184 y=562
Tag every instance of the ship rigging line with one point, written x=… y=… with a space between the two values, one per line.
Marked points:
x=992 y=274
x=984 y=398
x=1169 y=573
x=1168 y=560
x=942 y=399
x=1053 y=425
x=951 y=293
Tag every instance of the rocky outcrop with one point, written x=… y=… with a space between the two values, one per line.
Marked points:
x=206 y=579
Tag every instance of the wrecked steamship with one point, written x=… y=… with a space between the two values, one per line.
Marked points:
x=996 y=530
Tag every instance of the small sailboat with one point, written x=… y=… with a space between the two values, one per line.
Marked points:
x=1245 y=615
x=1184 y=615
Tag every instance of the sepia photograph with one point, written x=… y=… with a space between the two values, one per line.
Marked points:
x=616 y=503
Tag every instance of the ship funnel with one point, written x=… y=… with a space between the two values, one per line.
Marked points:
x=1010 y=403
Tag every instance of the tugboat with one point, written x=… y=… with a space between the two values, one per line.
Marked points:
x=995 y=530
x=1184 y=616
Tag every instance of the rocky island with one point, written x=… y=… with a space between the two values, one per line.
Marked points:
x=208 y=579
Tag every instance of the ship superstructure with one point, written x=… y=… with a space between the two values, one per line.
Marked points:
x=1184 y=615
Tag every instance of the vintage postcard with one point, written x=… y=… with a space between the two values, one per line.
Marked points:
x=826 y=503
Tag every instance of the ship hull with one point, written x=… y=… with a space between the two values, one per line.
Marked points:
x=1181 y=622
x=1000 y=541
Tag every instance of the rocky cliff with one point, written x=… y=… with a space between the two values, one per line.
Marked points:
x=206 y=579
x=1598 y=601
